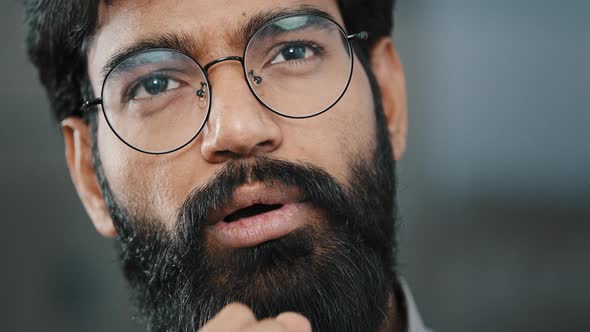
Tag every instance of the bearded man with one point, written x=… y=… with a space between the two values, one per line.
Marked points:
x=242 y=153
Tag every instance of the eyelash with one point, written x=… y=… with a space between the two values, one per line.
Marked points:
x=133 y=87
x=317 y=49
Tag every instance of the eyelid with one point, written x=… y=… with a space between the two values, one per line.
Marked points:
x=137 y=82
x=275 y=50
x=150 y=97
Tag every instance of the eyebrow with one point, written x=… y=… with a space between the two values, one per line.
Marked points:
x=188 y=44
x=256 y=22
x=179 y=41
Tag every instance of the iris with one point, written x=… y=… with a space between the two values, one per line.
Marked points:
x=155 y=85
x=294 y=52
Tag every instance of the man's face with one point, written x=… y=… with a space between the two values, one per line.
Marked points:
x=329 y=178
x=238 y=125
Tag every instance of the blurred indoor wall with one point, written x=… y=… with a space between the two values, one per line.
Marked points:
x=494 y=189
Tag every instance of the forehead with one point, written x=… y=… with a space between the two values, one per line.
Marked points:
x=210 y=24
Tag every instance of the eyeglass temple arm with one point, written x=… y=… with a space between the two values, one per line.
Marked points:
x=363 y=35
x=90 y=103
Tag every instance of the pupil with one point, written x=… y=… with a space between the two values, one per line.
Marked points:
x=294 y=53
x=156 y=85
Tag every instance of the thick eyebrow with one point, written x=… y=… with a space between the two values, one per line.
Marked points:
x=179 y=41
x=241 y=35
x=189 y=44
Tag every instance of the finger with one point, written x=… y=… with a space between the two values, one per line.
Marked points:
x=234 y=316
x=294 y=322
x=268 y=325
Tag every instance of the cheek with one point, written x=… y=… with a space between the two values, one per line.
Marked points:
x=344 y=133
x=144 y=184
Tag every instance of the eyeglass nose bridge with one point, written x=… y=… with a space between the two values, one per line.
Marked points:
x=256 y=79
x=222 y=59
x=201 y=92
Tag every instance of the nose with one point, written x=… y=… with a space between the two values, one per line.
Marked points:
x=238 y=125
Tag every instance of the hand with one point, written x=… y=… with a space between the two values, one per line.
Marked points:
x=237 y=317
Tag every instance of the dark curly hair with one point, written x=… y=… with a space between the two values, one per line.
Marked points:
x=59 y=32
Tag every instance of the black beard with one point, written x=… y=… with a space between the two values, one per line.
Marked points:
x=339 y=272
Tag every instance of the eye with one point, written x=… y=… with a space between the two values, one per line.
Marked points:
x=294 y=52
x=152 y=86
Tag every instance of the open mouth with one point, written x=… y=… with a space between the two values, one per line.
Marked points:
x=251 y=211
x=257 y=213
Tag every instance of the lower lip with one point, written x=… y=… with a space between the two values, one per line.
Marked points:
x=255 y=230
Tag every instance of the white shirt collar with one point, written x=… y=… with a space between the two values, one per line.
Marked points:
x=413 y=319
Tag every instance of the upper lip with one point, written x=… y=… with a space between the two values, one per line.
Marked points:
x=257 y=193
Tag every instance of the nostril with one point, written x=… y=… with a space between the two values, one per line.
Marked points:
x=227 y=154
x=266 y=145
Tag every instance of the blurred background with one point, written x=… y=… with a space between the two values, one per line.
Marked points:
x=494 y=189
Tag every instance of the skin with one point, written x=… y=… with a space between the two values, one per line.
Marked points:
x=238 y=126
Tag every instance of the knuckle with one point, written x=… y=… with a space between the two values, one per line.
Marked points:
x=295 y=321
x=271 y=325
x=238 y=312
x=232 y=316
x=236 y=307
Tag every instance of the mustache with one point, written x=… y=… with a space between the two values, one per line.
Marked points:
x=317 y=186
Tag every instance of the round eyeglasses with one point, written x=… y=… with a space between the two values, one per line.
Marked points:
x=157 y=100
